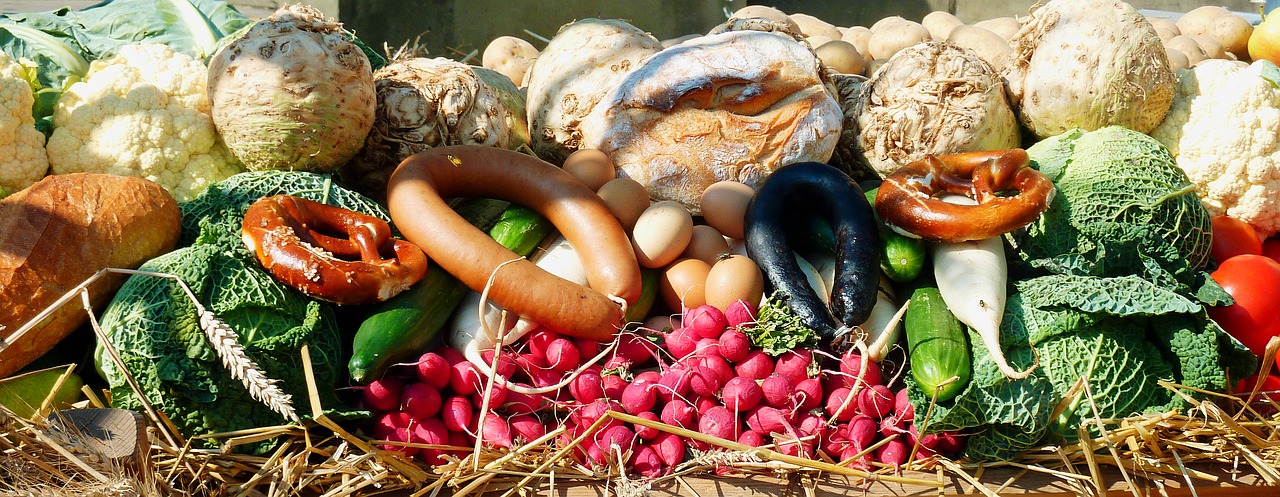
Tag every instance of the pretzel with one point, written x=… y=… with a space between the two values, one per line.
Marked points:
x=330 y=253
x=1010 y=195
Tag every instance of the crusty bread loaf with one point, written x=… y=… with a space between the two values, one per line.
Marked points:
x=59 y=232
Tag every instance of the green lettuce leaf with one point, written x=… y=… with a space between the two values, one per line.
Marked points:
x=193 y=27
x=1120 y=296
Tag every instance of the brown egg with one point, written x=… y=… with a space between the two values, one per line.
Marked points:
x=732 y=279
x=661 y=234
x=592 y=167
x=724 y=204
x=707 y=245
x=626 y=198
x=684 y=284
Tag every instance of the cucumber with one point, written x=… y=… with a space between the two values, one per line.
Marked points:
x=938 y=345
x=901 y=257
x=649 y=279
x=407 y=324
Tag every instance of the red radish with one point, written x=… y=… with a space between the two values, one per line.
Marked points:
x=647 y=377
x=796 y=448
x=707 y=347
x=527 y=428
x=433 y=369
x=421 y=400
x=586 y=348
x=876 y=401
x=595 y=456
x=388 y=423
x=836 y=407
x=674 y=383
x=751 y=437
x=678 y=413
x=808 y=394
x=670 y=448
x=734 y=345
x=615 y=362
x=811 y=424
x=519 y=403
x=719 y=422
x=615 y=440
x=639 y=397
x=704 y=382
x=741 y=395
x=529 y=362
x=794 y=365
x=539 y=339
x=893 y=453
x=740 y=313
x=756 y=366
x=459 y=439
x=902 y=406
x=544 y=377
x=949 y=442
x=645 y=432
x=497 y=396
x=851 y=454
x=635 y=348
x=451 y=355
x=765 y=419
x=401 y=434
x=613 y=386
x=587 y=387
x=464 y=378
x=562 y=356
x=706 y=321
x=701 y=404
x=456 y=413
x=777 y=390
x=836 y=441
x=722 y=368
x=862 y=431
x=646 y=462
x=506 y=364
x=681 y=342
x=890 y=426
x=383 y=394
x=851 y=365
x=588 y=414
x=431 y=432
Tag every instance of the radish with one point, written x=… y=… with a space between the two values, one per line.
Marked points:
x=562 y=355
x=851 y=364
x=647 y=377
x=459 y=439
x=894 y=453
x=670 y=448
x=433 y=369
x=617 y=438
x=765 y=419
x=587 y=415
x=539 y=339
x=401 y=434
x=613 y=386
x=431 y=432
x=635 y=348
x=497 y=396
x=862 y=431
x=812 y=424
x=678 y=413
x=808 y=394
x=522 y=403
x=464 y=378
x=722 y=368
x=646 y=462
x=851 y=454
x=420 y=400
x=741 y=395
x=387 y=423
x=740 y=313
x=616 y=362
x=450 y=355
x=506 y=365
x=646 y=432
x=529 y=361
x=639 y=397
x=902 y=406
x=383 y=394
x=750 y=437
x=704 y=382
x=707 y=347
x=587 y=387
x=681 y=342
x=836 y=441
x=876 y=401
x=544 y=378
x=734 y=345
x=456 y=413
x=527 y=428
x=756 y=366
x=674 y=383
x=719 y=422
x=794 y=365
x=706 y=321
x=701 y=404
x=777 y=390
x=890 y=426
x=836 y=407
x=586 y=348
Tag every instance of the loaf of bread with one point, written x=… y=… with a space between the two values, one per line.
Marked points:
x=60 y=231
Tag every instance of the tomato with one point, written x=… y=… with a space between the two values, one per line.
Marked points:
x=1232 y=237
x=1271 y=248
x=1270 y=387
x=1254 y=282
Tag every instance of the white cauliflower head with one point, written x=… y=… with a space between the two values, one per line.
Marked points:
x=142 y=113
x=1224 y=129
x=21 y=145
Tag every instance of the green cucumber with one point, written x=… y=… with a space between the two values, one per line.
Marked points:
x=901 y=257
x=938 y=346
x=649 y=279
x=407 y=324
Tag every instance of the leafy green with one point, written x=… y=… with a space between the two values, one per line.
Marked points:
x=193 y=27
x=777 y=329
x=47 y=43
x=1121 y=295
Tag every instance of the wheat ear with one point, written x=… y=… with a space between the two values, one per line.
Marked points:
x=227 y=343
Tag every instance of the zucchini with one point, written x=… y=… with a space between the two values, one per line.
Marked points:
x=407 y=324
x=813 y=189
x=938 y=346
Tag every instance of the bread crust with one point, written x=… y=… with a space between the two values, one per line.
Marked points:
x=62 y=230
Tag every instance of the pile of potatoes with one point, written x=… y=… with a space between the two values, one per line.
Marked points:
x=1208 y=32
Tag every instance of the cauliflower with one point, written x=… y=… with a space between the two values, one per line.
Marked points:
x=21 y=145
x=143 y=112
x=1224 y=129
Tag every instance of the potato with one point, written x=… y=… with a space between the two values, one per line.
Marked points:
x=812 y=26
x=1006 y=27
x=1232 y=32
x=1200 y=20
x=1164 y=27
x=858 y=36
x=988 y=45
x=873 y=66
x=889 y=40
x=940 y=23
x=671 y=42
x=767 y=13
x=842 y=57
x=509 y=56
x=1177 y=59
x=886 y=22
x=1212 y=49
x=1188 y=46
x=817 y=40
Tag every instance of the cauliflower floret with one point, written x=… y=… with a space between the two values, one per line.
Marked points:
x=22 y=156
x=1224 y=128
x=143 y=112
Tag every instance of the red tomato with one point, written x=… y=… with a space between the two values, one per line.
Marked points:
x=1254 y=282
x=1270 y=387
x=1232 y=237
x=1271 y=248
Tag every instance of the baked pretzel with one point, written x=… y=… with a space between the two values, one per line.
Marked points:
x=330 y=253
x=1010 y=195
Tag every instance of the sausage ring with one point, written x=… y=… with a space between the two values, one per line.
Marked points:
x=415 y=198
x=906 y=200
x=297 y=241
